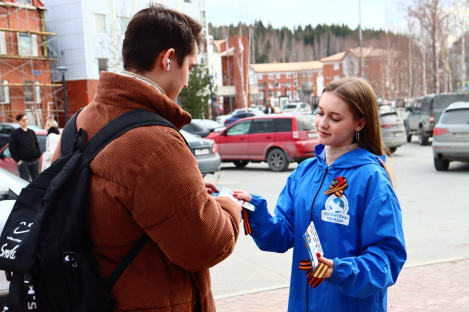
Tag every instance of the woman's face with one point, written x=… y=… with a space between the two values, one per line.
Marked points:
x=335 y=122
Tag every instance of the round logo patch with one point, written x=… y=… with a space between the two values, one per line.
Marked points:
x=336 y=210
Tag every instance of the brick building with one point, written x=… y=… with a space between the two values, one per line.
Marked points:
x=234 y=88
x=25 y=63
x=299 y=81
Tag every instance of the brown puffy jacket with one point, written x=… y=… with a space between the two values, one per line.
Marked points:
x=148 y=180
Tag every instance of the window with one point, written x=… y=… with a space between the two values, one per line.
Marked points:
x=336 y=66
x=288 y=76
x=279 y=93
x=3 y=47
x=27 y=44
x=283 y=125
x=102 y=65
x=28 y=91
x=271 y=85
x=24 y=1
x=259 y=76
x=262 y=126
x=4 y=92
x=124 y=22
x=261 y=95
x=271 y=76
x=100 y=23
x=277 y=76
x=239 y=128
x=187 y=1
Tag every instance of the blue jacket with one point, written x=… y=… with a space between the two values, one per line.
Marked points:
x=361 y=231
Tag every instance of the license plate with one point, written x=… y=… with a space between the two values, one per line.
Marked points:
x=462 y=135
x=312 y=135
x=201 y=151
x=397 y=134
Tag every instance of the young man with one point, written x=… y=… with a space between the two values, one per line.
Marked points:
x=147 y=180
x=25 y=150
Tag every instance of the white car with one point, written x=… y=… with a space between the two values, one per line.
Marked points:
x=297 y=108
x=221 y=119
x=10 y=188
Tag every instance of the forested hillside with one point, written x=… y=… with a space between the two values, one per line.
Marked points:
x=300 y=44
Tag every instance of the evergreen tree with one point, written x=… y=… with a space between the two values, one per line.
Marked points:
x=194 y=98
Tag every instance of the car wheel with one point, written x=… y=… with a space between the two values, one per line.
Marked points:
x=277 y=160
x=440 y=164
x=423 y=139
x=241 y=163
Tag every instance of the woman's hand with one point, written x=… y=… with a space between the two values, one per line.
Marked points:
x=327 y=262
x=210 y=187
x=243 y=195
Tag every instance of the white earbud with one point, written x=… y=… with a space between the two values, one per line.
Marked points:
x=169 y=65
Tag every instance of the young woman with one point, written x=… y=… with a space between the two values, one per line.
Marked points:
x=346 y=192
x=53 y=136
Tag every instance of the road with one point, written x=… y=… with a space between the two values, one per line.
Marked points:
x=434 y=207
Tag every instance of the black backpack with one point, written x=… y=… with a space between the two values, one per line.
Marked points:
x=45 y=249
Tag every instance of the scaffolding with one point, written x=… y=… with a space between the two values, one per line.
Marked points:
x=28 y=65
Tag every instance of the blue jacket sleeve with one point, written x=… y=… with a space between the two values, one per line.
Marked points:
x=274 y=233
x=382 y=249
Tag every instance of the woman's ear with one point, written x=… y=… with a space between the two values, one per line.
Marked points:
x=361 y=124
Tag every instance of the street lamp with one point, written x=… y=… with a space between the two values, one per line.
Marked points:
x=63 y=70
x=209 y=77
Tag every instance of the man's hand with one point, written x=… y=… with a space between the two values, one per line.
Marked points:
x=210 y=187
x=19 y=163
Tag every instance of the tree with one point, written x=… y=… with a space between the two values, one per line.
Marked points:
x=194 y=98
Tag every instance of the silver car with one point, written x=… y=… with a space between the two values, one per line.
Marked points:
x=205 y=151
x=10 y=188
x=392 y=128
x=451 y=136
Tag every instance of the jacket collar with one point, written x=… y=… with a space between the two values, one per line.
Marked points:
x=355 y=158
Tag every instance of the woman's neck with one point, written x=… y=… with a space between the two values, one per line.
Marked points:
x=333 y=153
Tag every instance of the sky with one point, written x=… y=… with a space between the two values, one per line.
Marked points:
x=375 y=14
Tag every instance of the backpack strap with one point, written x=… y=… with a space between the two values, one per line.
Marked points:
x=123 y=123
x=70 y=135
x=115 y=128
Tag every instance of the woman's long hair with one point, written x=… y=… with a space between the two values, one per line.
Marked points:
x=361 y=97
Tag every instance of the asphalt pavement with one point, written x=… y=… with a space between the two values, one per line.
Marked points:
x=442 y=286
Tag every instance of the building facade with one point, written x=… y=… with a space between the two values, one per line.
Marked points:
x=90 y=35
x=26 y=63
x=297 y=81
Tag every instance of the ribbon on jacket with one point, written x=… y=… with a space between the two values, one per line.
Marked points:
x=246 y=224
x=316 y=277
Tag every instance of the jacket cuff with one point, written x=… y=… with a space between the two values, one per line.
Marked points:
x=338 y=274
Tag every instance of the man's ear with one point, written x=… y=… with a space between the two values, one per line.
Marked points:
x=361 y=124
x=165 y=60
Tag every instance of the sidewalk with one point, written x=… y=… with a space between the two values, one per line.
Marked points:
x=434 y=287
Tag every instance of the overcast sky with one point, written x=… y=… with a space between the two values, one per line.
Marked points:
x=385 y=14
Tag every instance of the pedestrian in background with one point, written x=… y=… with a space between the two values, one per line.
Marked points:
x=53 y=136
x=24 y=149
x=147 y=180
x=269 y=109
x=346 y=192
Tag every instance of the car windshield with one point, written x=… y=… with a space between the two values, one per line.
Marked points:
x=443 y=101
x=305 y=123
x=289 y=106
x=456 y=116
x=389 y=118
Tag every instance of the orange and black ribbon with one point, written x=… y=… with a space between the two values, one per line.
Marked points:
x=316 y=277
x=337 y=187
x=247 y=225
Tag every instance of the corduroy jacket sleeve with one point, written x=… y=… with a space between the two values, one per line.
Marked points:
x=193 y=229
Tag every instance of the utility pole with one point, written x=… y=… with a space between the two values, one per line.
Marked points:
x=361 y=37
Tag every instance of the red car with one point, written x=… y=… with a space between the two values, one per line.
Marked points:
x=275 y=139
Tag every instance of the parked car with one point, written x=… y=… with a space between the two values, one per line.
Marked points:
x=10 y=188
x=297 y=108
x=205 y=151
x=242 y=114
x=221 y=119
x=425 y=112
x=451 y=136
x=392 y=128
x=202 y=127
x=7 y=128
x=275 y=139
